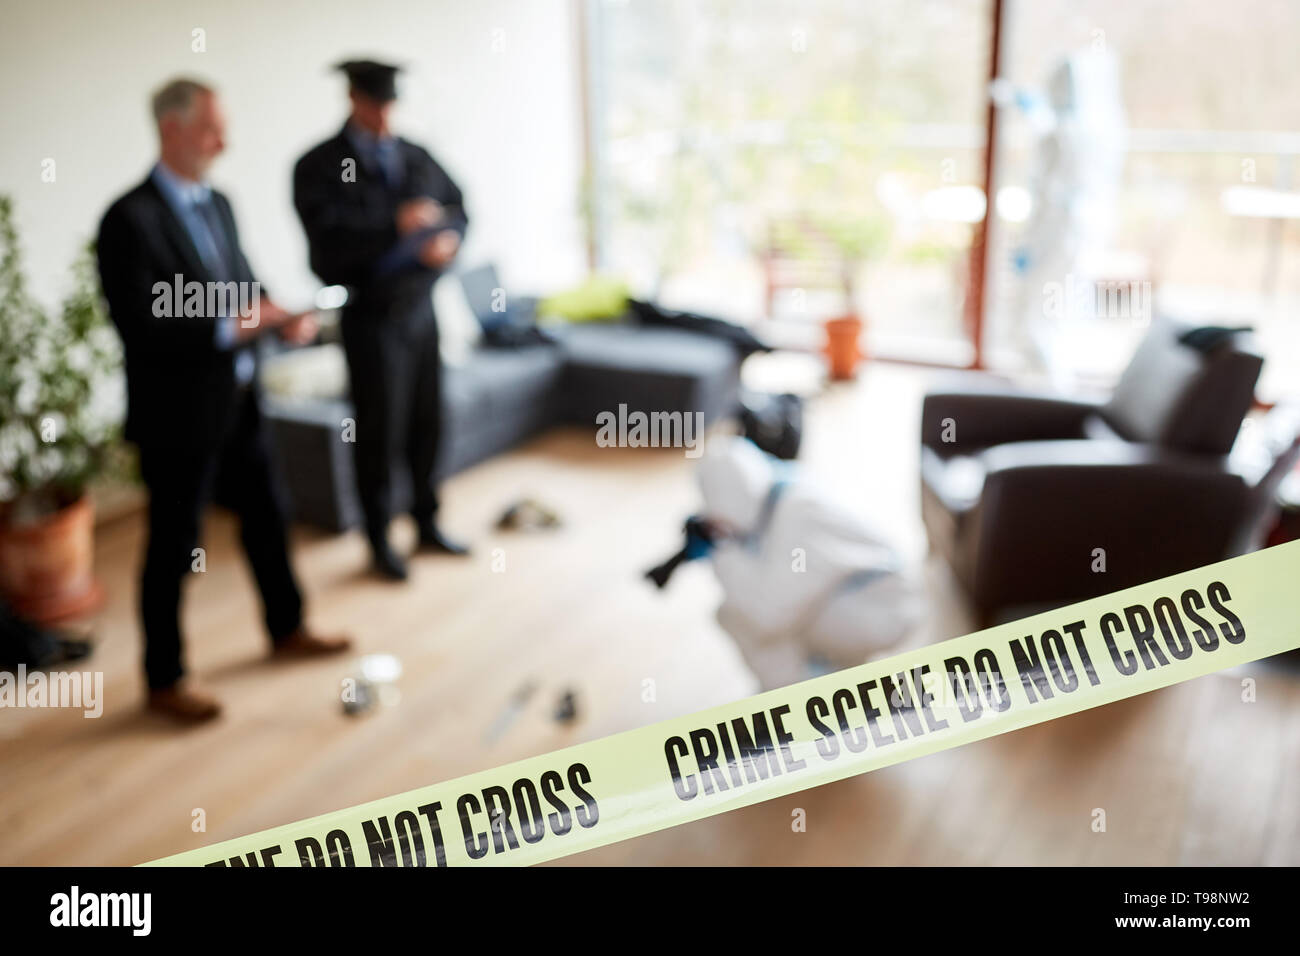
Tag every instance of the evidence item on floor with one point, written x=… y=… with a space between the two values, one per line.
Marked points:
x=528 y=514
x=510 y=713
x=374 y=684
x=566 y=709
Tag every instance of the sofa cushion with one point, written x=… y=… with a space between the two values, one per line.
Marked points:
x=499 y=381
x=956 y=481
x=1152 y=386
x=633 y=348
x=498 y=398
x=459 y=331
x=318 y=372
x=1177 y=396
x=647 y=369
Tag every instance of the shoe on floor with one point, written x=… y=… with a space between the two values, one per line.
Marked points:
x=303 y=643
x=387 y=564
x=432 y=539
x=74 y=649
x=184 y=703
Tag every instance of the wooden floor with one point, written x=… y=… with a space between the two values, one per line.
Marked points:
x=1189 y=774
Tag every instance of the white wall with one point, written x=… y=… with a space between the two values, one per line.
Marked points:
x=492 y=90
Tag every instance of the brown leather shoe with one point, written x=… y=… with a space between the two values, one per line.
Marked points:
x=303 y=643
x=184 y=703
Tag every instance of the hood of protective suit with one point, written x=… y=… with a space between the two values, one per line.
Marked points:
x=735 y=477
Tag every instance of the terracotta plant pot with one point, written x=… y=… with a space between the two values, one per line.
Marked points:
x=843 y=346
x=46 y=566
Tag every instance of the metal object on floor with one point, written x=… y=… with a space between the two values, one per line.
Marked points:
x=566 y=710
x=373 y=685
x=510 y=713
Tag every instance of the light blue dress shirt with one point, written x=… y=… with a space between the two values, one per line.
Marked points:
x=184 y=197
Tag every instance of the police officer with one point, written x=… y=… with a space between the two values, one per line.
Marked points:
x=384 y=219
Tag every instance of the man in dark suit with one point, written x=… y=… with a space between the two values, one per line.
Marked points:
x=384 y=219
x=189 y=309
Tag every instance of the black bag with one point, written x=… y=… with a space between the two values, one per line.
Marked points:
x=743 y=340
x=773 y=422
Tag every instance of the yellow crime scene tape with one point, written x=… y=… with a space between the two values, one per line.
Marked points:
x=811 y=733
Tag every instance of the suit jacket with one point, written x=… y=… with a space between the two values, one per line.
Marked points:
x=180 y=384
x=350 y=226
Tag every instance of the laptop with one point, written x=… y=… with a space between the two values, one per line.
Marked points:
x=489 y=301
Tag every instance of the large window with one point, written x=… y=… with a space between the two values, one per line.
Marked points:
x=778 y=161
x=771 y=160
x=1204 y=205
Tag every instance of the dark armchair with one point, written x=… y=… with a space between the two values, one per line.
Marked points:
x=1030 y=497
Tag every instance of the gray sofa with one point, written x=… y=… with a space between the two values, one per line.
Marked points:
x=502 y=397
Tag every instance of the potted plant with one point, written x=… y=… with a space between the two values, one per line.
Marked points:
x=61 y=401
x=858 y=239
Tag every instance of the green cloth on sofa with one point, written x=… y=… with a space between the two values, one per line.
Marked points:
x=596 y=299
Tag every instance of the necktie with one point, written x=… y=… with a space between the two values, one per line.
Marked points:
x=220 y=249
x=223 y=271
x=385 y=155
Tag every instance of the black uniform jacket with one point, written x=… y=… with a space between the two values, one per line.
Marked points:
x=350 y=225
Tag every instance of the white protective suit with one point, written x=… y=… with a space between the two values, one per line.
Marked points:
x=1078 y=172
x=806 y=582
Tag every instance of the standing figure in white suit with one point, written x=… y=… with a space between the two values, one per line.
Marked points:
x=1079 y=164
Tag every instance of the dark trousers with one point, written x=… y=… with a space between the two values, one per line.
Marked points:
x=396 y=375
x=182 y=481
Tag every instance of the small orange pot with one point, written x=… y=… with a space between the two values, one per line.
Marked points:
x=844 y=346
x=47 y=566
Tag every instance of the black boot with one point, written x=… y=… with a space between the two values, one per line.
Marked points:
x=386 y=562
x=432 y=539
